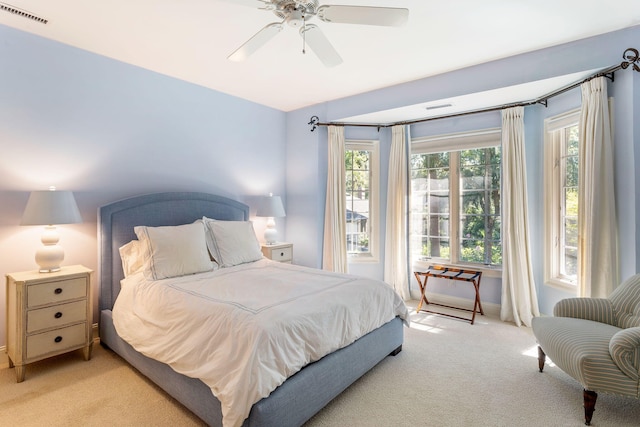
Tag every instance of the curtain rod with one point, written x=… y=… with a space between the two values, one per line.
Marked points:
x=631 y=58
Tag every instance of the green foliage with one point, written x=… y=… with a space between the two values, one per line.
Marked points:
x=357 y=172
x=480 y=210
x=480 y=204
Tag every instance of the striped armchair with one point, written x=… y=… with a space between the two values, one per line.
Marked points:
x=596 y=341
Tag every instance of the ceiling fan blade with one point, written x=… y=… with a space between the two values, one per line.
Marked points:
x=320 y=45
x=256 y=42
x=365 y=15
x=250 y=3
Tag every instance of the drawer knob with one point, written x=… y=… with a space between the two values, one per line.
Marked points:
x=58 y=291
x=281 y=253
x=58 y=338
x=58 y=315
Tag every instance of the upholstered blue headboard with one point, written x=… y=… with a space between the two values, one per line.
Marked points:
x=117 y=220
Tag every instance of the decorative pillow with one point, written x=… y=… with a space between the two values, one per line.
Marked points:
x=209 y=238
x=234 y=242
x=132 y=256
x=173 y=251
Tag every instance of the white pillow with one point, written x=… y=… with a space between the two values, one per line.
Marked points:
x=234 y=242
x=209 y=238
x=173 y=251
x=132 y=257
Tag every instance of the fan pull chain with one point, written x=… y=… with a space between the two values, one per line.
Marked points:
x=304 y=35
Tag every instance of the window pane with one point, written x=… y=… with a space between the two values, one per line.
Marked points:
x=358 y=181
x=477 y=218
x=571 y=232
x=569 y=203
x=473 y=178
x=571 y=168
x=473 y=251
x=430 y=205
x=571 y=263
x=480 y=206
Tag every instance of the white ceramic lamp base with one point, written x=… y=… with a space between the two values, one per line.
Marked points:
x=270 y=233
x=49 y=256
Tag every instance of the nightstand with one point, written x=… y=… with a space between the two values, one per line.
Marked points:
x=281 y=252
x=48 y=314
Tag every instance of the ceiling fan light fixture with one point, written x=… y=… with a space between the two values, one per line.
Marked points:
x=295 y=19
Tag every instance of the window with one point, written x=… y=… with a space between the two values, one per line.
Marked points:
x=361 y=167
x=561 y=199
x=455 y=199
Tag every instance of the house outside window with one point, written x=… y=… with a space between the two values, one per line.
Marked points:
x=561 y=200
x=362 y=169
x=455 y=199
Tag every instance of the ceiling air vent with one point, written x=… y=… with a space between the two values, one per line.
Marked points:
x=435 y=107
x=12 y=9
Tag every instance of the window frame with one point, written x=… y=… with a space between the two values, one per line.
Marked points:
x=554 y=129
x=454 y=144
x=373 y=147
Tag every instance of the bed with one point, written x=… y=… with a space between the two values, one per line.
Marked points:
x=294 y=401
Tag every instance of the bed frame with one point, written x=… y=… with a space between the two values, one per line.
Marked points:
x=299 y=397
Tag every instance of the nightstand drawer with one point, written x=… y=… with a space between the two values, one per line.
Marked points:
x=56 y=316
x=53 y=292
x=56 y=341
x=283 y=254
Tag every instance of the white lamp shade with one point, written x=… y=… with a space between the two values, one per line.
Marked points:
x=50 y=208
x=271 y=206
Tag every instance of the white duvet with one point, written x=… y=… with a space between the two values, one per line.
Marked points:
x=244 y=330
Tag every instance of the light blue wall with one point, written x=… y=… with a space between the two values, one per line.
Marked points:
x=592 y=53
x=108 y=130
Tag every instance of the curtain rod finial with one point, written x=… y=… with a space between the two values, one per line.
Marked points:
x=631 y=59
x=313 y=122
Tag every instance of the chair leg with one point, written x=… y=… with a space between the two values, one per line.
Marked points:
x=541 y=358
x=589 y=405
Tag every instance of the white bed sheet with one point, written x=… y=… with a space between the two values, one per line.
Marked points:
x=244 y=330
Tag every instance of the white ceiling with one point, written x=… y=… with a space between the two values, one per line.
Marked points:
x=191 y=39
x=473 y=102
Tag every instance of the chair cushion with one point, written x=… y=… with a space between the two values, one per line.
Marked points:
x=581 y=349
x=626 y=301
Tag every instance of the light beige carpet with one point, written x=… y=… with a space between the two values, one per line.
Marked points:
x=449 y=373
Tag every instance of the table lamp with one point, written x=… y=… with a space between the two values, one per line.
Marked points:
x=48 y=208
x=270 y=206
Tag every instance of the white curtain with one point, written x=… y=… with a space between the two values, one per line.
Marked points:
x=597 y=226
x=519 y=299
x=395 y=253
x=334 y=252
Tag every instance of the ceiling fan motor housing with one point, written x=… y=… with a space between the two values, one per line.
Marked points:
x=295 y=13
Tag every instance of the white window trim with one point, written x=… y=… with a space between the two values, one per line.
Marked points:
x=454 y=143
x=552 y=198
x=373 y=146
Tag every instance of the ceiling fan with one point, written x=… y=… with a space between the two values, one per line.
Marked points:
x=296 y=13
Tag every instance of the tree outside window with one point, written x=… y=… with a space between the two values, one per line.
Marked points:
x=455 y=212
x=480 y=206
x=562 y=142
x=361 y=173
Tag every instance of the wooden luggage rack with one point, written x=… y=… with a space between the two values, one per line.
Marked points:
x=465 y=275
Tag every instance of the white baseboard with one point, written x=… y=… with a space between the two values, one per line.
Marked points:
x=4 y=358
